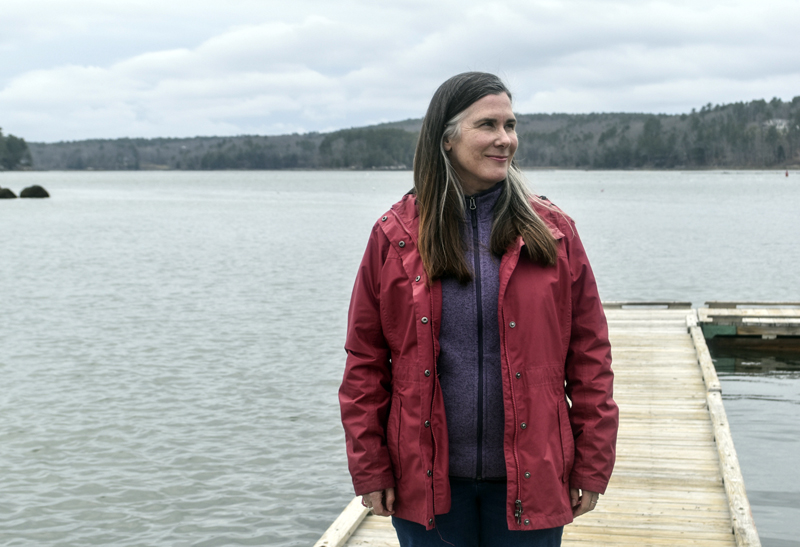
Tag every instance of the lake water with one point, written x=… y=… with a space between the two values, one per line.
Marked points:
x=171 y=342
x=761 y=393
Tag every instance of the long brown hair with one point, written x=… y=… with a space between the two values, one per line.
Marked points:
x=440 y=197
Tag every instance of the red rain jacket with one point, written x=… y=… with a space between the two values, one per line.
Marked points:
x=554 y=344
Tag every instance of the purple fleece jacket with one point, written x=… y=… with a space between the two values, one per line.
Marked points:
x=469 y=358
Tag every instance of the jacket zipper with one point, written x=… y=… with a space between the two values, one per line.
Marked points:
x=479 y=305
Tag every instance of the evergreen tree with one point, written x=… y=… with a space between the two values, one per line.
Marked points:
x=14 y=152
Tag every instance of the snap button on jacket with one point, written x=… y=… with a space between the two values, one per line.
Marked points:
x=560 y=417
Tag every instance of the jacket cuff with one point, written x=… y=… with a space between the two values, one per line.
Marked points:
x=374 y=484
x=585 y=483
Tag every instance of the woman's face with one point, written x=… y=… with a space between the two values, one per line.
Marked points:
x=482 y=153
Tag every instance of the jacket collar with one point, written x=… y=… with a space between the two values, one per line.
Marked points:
x=547 y=216
x=407 y=214
x=558 y=234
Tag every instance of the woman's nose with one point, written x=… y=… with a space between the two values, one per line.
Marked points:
x=503 y=140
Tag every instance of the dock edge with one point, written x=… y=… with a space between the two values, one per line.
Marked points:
x=744 y=526
x=343 y=527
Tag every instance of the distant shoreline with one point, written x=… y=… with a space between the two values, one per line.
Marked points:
x=754 y=135
x=790 y=168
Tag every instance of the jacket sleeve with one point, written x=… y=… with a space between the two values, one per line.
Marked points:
x=365 y=393
x=594 y=415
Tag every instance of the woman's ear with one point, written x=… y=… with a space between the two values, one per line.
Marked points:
x=447 y=145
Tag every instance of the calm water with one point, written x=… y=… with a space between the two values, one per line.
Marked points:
x=762 y=400
x=171 y=343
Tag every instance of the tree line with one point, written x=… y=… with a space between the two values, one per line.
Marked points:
x=14 y=152
x=756 y=134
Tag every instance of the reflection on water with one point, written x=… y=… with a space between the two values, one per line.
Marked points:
x=762 y=400
x=753 y=362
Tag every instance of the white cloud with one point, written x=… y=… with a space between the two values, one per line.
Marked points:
x=93 y=69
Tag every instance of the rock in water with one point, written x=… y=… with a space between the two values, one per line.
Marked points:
x=34 y=191
x=6 y=193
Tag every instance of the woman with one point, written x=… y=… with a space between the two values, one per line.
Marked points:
x=474 y=316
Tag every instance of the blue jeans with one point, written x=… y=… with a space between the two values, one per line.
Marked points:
x=477 y=518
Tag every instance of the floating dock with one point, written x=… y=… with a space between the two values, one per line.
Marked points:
x=761 y=326
x=677 y=479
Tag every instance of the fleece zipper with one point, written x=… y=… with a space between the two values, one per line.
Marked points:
x=473 y=210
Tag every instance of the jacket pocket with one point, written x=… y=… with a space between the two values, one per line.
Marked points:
x=567 y=441
x=393 y=437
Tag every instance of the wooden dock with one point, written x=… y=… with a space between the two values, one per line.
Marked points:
x=766 y=326
x=677 y=479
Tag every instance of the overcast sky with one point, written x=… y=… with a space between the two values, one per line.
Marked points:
x=160 y=68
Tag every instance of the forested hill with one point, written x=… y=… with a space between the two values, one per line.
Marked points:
x=757 y=134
